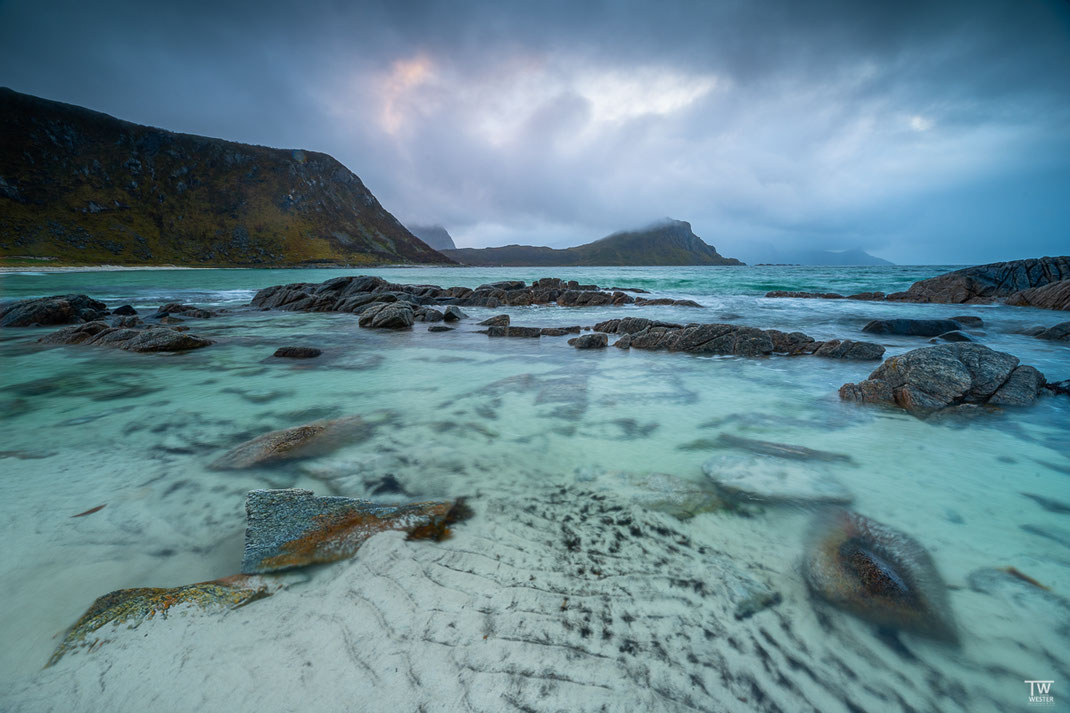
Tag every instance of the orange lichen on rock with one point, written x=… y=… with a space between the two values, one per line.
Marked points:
x=292 y=527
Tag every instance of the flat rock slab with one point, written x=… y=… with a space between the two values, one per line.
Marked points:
x=293 y=528
x=772 y=479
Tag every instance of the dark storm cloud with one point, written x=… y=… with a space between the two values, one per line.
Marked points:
x=922 y=131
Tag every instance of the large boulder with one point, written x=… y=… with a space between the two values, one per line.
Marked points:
x=387 y=315
x=45 y=311
x=590 y=341
x=912 y=327
x=878 y=574
x=987 y=283
x=293 y=528
x=933 y=378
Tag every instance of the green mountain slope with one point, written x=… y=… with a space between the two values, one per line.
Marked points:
x=82 y=187
x=668 y=243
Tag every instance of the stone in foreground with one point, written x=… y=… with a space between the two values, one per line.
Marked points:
x=774 y=480
x=134 y=606
x=292 y=527
x=878 y=574
x=933 y=378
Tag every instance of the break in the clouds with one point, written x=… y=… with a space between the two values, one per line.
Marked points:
x=922 y=132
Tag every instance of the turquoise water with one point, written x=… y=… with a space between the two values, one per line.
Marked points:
x=458 y=413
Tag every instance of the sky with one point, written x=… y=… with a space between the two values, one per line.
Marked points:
x=922 y=132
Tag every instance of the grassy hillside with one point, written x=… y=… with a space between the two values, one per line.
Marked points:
x=82 y=187
x=669 y=243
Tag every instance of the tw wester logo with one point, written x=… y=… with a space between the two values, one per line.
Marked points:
x=1040 y=693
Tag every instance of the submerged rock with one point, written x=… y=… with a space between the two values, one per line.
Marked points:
x=299 y=442
x=933 y=378
x=293 y=527
x=781 y=450
x=297 y=352
x=955 y=336
x=44 y=311
x=912 y=327
x=133 y=607
x=590 y=341
x=439 y=328
x=133 y=338
x=772 y=479
x=878 y=574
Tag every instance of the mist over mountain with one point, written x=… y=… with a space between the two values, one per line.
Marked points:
x=850 y=257
x=435 y=236
x=669 y=242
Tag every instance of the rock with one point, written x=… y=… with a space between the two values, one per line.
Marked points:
x=387 y=315
x=124 y=311
x=44 y=311
x=848 y=349
x=427 y=314
x=1059 y=387
x=781 y=450
x=771 y=479
x=453 y=314
x=559 y=331
x=867 y=296
x=631 y=325
x=184 y=310
x=640 y=302
x=1017 y=280
x=955 y=336
x=439 y=328
x=1053 y=296
x=297 y=352
x=969 y=321
x=514 y=332
x=298 y=442
x=878 y=574
x=590 y=341
x=134 y=339
x=294 y=528
x=1059 y=333
x=133 y=607
x=933 y=378
x=911 y=327
x=498 y=320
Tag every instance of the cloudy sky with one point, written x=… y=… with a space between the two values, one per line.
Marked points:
x=921 y=131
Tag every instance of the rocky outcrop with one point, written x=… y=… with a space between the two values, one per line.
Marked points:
x=387 y=315
x=294 y=528
x=356 y=294
x=878 y=574
x=983 y=284
x=1053 y=296
x=912 y=327
x=174 y=308
x=665 y=301
x=590 y=341
x=933 y=378
x=524 y=332
x=1057 y=333
x=46 y=311
x=134 y=606
x=297 y=352
x=729 y=339
x=140 y=338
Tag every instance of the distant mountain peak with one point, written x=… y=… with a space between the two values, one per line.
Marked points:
x=666 y=242
x=436 y=237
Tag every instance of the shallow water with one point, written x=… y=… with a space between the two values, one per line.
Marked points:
x=458 y=413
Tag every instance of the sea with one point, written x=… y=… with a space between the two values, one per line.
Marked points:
x=459 y=413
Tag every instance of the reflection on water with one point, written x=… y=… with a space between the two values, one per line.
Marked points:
x=457 y=413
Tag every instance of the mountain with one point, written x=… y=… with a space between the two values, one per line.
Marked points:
x=435 y=236
x=667 y=243
x=83 y=187
x=854 y=256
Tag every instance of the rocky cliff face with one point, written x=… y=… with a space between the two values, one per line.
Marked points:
x=83 y=187
x=1040 y=282
x=435 y=236
x=669 y=243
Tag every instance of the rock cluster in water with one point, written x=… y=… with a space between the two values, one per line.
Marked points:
x=133 y=338
x=357 y=294
x=46 y=311
x=293 y=528
x=949 y=375
x=878 y=574
x=641 y=333
x=1036 y=282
